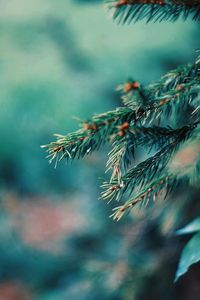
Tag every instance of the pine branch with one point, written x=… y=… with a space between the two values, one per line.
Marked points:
x=180 y=79
x=149 y=194
x=127 y=11
x=122 y=127
x=164 y=95
x=133 y=94
x=175 y=94
x=139 y=175
x=94 y=133
x=143 y=173
x=122 y=153
x=153 y=101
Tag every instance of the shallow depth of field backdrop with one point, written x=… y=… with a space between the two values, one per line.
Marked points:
x=58 y=60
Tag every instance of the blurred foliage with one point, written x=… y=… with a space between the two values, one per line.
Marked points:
x=60 y=59
x=190 y=254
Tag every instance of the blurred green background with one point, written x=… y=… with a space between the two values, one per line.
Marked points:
x=60 y=59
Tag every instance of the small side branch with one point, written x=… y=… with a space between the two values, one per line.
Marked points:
x=141 y=174
x=150 y=193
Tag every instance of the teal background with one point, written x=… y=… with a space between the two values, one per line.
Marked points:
x=60 y=59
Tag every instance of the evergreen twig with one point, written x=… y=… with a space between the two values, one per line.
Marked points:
x=127 y=11
x=147 y=195
x=143 y=120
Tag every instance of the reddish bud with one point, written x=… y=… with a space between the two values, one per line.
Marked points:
x=179 y=87
x=121 y=133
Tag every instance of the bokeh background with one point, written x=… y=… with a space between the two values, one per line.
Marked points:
x=58 y=60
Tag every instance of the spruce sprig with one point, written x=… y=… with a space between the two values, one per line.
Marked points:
x=150 y=193
x=164 y=95
x=123 y=148
x=143 y=173
x=156 y=99
x=141 y=122
x=90 y=137
x=128 y=11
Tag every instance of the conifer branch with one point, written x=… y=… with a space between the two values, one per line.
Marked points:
x=152 y=101
x=90 y=137
x=129 y=127
x=144 y=172
x=148 y=194
x=127 y=11
x=160 y=97
x=123 y=150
